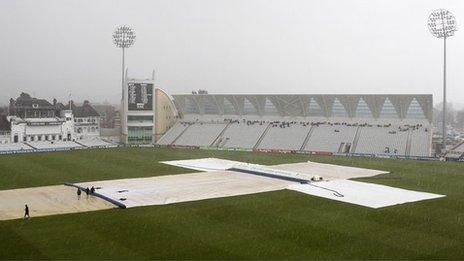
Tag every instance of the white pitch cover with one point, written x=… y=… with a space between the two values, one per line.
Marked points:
x=335 y=187
x=205 y=164
x=361 y=193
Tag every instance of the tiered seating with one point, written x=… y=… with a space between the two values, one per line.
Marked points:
x=420 y=142
x=14 y=147
x=242 y=134
x=285 y=136
x=200 y=134
x=173 y=133
x=329 y=137
x=460 y=147
x=382 y=140
x=340 y=136
x=95 y=142
x=54 y=145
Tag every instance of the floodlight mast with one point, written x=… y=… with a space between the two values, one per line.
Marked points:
x=442 y=24
x=123 y=37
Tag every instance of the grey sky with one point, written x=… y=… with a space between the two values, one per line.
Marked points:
x=51 y=48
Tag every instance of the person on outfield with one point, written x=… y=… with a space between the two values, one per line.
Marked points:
x=26 y=212
x=87 y=191
x=92 y=190
x=79 y=192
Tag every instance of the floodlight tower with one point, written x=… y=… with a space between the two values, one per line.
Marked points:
x=442 y=24
x=123 y=37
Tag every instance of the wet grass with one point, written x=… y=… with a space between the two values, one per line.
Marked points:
x=273 y=225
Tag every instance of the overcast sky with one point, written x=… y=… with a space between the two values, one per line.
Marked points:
x=53 y=48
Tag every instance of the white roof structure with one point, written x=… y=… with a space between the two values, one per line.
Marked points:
x=399 y=106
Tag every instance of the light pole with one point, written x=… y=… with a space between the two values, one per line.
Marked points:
x=442 y=24
x=123 y=37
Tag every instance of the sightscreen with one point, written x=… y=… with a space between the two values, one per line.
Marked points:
x=140 y=96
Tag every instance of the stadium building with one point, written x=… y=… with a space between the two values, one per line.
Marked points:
x=147 y=112
x=372 y=125
x=378 y=125
x=86 y=121
x=35 y=124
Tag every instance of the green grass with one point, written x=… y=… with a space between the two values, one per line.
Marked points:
x=273 y=225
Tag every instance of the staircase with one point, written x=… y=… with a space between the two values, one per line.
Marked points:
x=174 y=141
x=220 y=135
x=30 y=145
x=262 y=136
x=303 y=146
x=408 y=143
x=355 y=140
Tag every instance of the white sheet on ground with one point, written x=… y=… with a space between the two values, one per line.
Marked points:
x=329 y=171
x=169 y=189
x=335 y=176
x=206 y=164
x=361 y=193
x=301 y=170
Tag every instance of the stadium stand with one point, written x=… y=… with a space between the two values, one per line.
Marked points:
x=173 y=133
x=420 y=142
x=14 y=147
x=233 y=136
x=285 y=136
x=331 y=137
x=200 y=134
x=95 y=143
x=456 y=153
x=397 y=125
x=40 y=145
x=378 y=139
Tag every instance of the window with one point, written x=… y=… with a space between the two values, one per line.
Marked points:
x=32 y=138
x=362 y=110
x=24 y=139
x=139 y=134
x=53 y=137
x=210 y=106
x=39 y=138
x=248 y=108
x=191 y=107
x=60 y=137
x=415 y=111
x=269 y=108
x=314 y=109
x=140 y=119
x=46 y=137
x=338 y=110
x=228 y=107
x=388 y=110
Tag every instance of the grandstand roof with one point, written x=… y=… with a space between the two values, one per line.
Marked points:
x=400 y=106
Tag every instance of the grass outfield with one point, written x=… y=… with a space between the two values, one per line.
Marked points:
x=273 y=225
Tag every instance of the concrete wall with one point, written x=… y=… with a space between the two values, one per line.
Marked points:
x=165 y=113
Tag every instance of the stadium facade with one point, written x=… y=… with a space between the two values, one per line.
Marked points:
x=374 y=125
x=303 y=123
x=33 y=124
x=147 y=112
x=405 y=107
